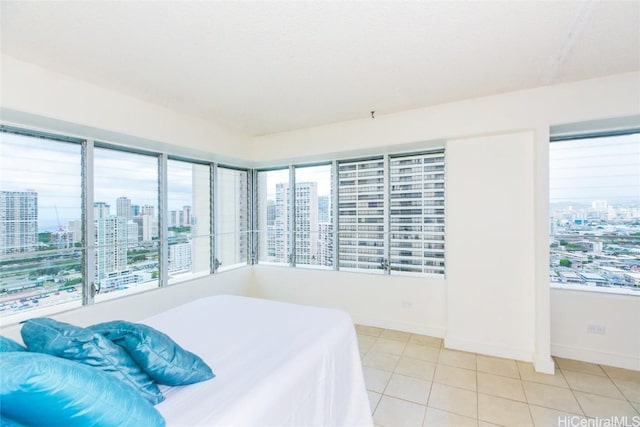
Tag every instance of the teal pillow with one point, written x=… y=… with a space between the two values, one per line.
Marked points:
x=44 y=335
x=37 y=389
x=156 y=353
x=8 y=422
x=7 y=344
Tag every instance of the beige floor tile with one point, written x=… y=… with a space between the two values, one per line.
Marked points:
x=453 y=399
x=426 y=340
x=415 y=368
x=385 y=345
x=545 y=417
x=578 y=366
x=551 y=397
x=456 y=377
x=503 y=412
x=376 y=379
x=630 y=388
x=438 y=418
x=495 y=385
x=396 y=335
x=528 y=373
x=458 y=359
x=374 y=398
x=497 y=366
x=637 y=406
x=392 y=412
x=408 y=388
x=369 y=330
x=384 y=361
x=593 y=384
x=422 y=352
x=621 y=373
x=365 y=342
x=604 y=407
x=486 y=424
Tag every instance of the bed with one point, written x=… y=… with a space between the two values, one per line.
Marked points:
x=275 y=364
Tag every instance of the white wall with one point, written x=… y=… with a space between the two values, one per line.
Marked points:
x=490 y=245
x=576 y=315
x=37 y=98
x=396 y=302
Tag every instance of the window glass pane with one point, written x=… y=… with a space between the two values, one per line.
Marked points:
x=40 y=228
x=595 y=212
x=232 y=223
x=189 y=220
x=126 y=222
x=273 y=214
x=361 y=215
x=313 y=216
x=416 y=213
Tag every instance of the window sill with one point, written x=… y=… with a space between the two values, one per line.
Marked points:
x=596 y=289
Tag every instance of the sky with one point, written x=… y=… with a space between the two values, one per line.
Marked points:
x=53 y=170
x=584 y=170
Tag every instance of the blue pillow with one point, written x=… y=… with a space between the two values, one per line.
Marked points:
x=156 y=353
x=44 y=335
x=8 y=422
x=41 y=390
x=7 y=344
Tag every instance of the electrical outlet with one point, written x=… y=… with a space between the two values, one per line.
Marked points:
x=597 y=329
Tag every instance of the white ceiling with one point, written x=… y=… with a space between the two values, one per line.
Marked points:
x=265 y=67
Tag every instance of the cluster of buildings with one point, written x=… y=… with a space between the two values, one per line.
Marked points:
x=596 y=245
x=131 y=227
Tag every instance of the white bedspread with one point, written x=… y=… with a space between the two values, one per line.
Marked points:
x=275 y=364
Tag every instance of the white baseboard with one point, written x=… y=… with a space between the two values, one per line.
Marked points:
x=506 y=352
x=414 y=328
x=596 y=356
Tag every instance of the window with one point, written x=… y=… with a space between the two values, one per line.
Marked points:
x=313 y=216
x=232 y=220
x=125 y=222
x=595 y=211
x=273 y=216
x=189 y=220
x=361 y=215
x=41 y=245
x=417 y=213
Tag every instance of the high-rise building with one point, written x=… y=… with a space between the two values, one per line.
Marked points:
x=306 y=220
x=186 y=216
x=18 y=221
x=180 y=257
x=111 y=239
x=101 y=210
x=123 y=208
x=75 y=228
x=324 y=209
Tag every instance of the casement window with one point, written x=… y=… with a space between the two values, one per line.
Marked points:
x=274 y=216
x=595 y=211
x=41 y=243
x=125 y=222
x=361 y=215
x=188 y=220
x=313 y=230
x=232 y=218
x=416 y=213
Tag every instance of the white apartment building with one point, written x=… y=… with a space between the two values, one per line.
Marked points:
x=18 y=221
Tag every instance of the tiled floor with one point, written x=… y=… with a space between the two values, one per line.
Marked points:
x=412 y=380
